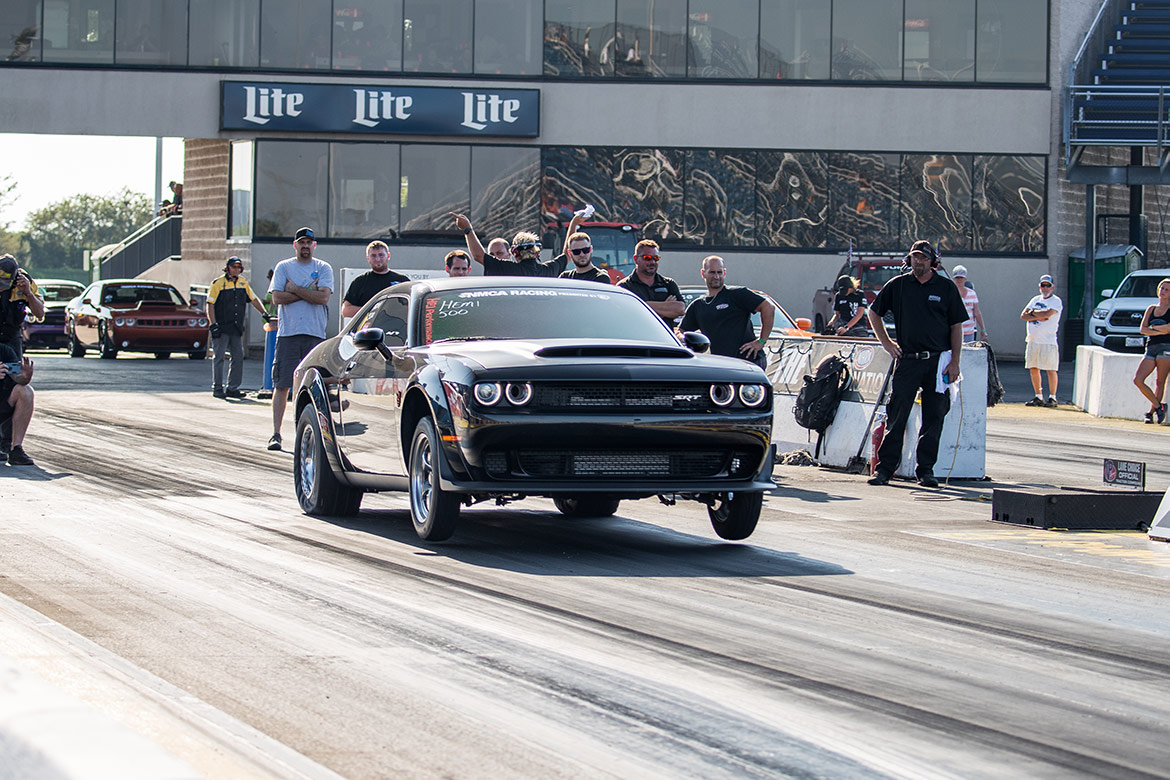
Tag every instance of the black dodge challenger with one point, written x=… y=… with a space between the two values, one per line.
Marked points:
x=466 y=390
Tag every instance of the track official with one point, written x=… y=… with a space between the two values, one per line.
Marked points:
x=928 y=315
x=227 y=306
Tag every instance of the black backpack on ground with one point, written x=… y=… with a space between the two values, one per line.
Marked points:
x=817 y=402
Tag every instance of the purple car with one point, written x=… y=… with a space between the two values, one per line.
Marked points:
x=49 y=333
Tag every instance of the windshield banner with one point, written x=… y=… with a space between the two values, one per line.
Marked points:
x=790 y=359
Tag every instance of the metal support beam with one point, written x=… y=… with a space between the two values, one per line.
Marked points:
x=1090 y=256
x=1130 y=175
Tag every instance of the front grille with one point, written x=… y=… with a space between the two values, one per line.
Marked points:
x=1124 y=318
x=638 y=397
x=54 y=317
x=163 y=323
x=612 y=464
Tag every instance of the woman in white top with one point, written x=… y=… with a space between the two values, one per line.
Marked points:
x=974 y=325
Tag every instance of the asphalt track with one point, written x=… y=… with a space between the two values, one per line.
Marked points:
x=156 y=567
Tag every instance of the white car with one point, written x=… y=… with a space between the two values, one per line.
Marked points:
x=1117 y=320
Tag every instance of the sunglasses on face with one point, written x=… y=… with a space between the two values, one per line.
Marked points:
x=582 y=250
x=648 y=257
x=1045 y=284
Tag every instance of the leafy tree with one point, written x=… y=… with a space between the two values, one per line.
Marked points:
x=58 y=233
x=7 y=196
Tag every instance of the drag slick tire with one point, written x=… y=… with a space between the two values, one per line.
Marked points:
x=318 y=490
x=76 y=349
x=106 y=347
x=734 y=515
x=433 y=511
x=587 y=506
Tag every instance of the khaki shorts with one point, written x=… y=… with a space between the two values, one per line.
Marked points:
x=1045 y=357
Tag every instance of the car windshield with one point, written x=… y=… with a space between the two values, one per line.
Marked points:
x=538 y=313
x=781 y=322
x=132 y=294
x=1138 y=287
x=874 y=276
x=56 y=293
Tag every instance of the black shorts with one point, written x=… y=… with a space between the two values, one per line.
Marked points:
x=290 y=351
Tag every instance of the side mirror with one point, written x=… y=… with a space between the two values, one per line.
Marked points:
x=368 y=338
x=696 y=342
x=804 y=323
x=1107 y=293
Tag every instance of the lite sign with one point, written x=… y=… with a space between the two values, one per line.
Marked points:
x=342 y=108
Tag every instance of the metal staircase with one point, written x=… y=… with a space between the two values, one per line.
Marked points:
x=155 y=241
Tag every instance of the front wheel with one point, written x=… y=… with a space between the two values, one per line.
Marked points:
x=319 y=492
x=76 y=348
x=106 y=346
x=587 y=506
x=734 y=515
x=433 y=510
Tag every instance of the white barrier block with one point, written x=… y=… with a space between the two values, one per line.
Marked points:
x=1103 y=384
x=1160 y=526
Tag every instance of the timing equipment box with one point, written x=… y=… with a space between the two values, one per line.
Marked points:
x=1090 y=509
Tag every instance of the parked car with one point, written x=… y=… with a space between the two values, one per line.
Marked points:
x=782 y=325
x=459 y=391
x=49 y=332
x=1116 y=322
x=134 y=315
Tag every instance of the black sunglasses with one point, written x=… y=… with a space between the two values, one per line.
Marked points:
x=582 y=250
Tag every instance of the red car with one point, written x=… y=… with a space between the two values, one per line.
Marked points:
x=134 y=315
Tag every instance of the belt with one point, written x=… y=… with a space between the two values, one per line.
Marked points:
x=919 y=355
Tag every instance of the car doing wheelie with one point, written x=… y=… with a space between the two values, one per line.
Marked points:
x=460 y=391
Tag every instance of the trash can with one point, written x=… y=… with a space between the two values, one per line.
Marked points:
x=1111 y=263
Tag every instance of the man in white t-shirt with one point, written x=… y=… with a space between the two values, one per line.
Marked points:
x=1041 y=352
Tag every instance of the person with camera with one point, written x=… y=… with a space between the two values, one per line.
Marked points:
x=16 y=404
x=19 y=297
x=227 y=306
x=848 y=310
x=928 y=317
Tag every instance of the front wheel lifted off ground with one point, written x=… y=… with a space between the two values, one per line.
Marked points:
x=433 y=510
x=734 y=515
x=318 y=490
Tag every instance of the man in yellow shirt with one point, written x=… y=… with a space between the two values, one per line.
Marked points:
x=227 y=307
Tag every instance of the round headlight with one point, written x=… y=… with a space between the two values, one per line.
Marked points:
x=752 y=395
x=119 y=321
x=722 y=395
x=488 y=393
x=204 y=322
x=130 y=321
x=519 y=393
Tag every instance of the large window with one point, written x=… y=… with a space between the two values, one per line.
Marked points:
x=867 y=40
x=719 y=199
x=435 y=182
x=505 y=186
x=578 y=37
x=151 y=32
x=224 y=33
x=78 y=31
x=240 y=208
x=1009 y=34
x=363 y=190
x=295 y=34
x=940 y=40
x=794 y=39
x=367 y=35
x=648 y=190
x=724 y=39
x=651 y=39
x=1008 y=205
x=792 y=193
x=863 y=200
x=292 y=184
x=437 y=36
x=508 y=37
x=20 y=23
x=936 y=199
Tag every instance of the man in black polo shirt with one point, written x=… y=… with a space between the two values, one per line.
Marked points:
x=580 y=248
x=373 y=281
x=725 y=315
x=659 y=292
x=928 y=315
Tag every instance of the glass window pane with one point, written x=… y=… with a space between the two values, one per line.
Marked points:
x=1008 y=204
x=79 y=31
x=1010 y=33
x=794 y=39
x=292 y=186
x=363 y=190
x=507 y=37
x=793 y=197
x=578 y=37
x=723 y=39
x=720 y=203
x=295 y=34
x=867 y=40
x=224 y=33
x=435 y=181
x=574 y=176
x=648 y=190
x=437 y=36
x=368 y=35
x=864 y=201
x=505 y=183
x=940 y=40
x=20 y=23
x=241 y=189
x=936 y=200
x=651 y=39
x=152 y=32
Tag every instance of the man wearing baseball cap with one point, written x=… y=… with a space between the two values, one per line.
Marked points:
x=1041 y=352
x=227 y=307
x=301 y=287
x=19 y=297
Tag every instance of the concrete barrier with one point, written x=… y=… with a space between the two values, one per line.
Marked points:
x=1103 y=384
x=962 y=452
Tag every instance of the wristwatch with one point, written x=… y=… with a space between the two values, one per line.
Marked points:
x=466 y=231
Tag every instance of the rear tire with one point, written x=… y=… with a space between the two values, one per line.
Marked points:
x=433 y=511
x=587 y=506
x=76 y=349
x=735 y=515
x=106 y=347
x=319 y=492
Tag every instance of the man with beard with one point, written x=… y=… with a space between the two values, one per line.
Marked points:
x=373 y=281
x=660 y=293
x=725 y=315
x=928 y=316
x=579 y=248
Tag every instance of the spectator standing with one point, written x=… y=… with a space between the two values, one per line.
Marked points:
x=373 y=281
x=177 y=200
x=227 y=307
x=660 y=293
x=725 y=315
x=973 y=329
x=1040 y=349
x=579 y=247
x=521 y=259
x=1156 y=329
x=458 y=263
x=928 y=316
x=848 y=309
x=16 y=403
x=301 y=287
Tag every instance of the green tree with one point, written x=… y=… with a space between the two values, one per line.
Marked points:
x=7 y=196
x=59 y=233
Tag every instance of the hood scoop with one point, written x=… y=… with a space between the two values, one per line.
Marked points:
x=613 y=351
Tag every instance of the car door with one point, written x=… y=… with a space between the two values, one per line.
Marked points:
x=371 y=392
x=86 y=320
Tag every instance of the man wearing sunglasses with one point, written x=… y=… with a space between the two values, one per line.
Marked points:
x=1041 y=352
x=580 y=250
x=524 y=253
x=660 y=293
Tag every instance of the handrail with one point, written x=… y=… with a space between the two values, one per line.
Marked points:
x=1089 y=35
x=137 y=234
